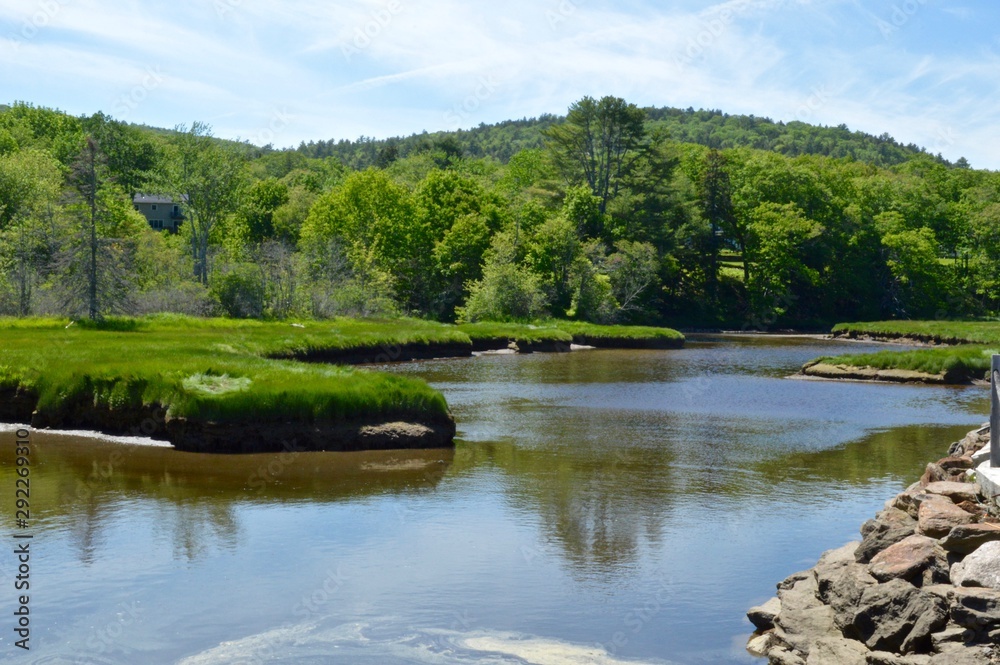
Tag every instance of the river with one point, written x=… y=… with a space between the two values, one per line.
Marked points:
x=600 y=507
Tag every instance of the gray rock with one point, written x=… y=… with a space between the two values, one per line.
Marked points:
x=908 y=559
x=792 y=579
x=804 y=618
x=962 y=656
x=967 y=538
x=888 y=528
x=762 y=616
x=975 y=607
x=981 y=568
x=886 y=658
x=841 y=588
x=957 y=492
x=837 y=650
x=898 y=617
x=783 y=656
x=937 y=516
x=760 y=645
x=951 y=634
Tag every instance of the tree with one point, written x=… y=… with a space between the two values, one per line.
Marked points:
x=30 y=183
x=632 y=272
x=210 y=180
x=598 y=144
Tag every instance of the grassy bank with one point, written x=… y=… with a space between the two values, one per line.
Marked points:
x=221 y=371
x=953 y=365
x=201 y=369
x=933 y=332
x=967 y=347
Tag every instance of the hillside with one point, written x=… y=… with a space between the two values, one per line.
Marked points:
x=711 y=128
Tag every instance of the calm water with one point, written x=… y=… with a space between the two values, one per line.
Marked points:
x=601 y=507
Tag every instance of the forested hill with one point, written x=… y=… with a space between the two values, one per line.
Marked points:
x=711 y=128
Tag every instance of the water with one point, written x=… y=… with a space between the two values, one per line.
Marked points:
x=601 y=507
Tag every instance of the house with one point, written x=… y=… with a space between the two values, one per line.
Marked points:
x=160 y=211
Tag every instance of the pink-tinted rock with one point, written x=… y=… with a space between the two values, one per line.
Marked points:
x=908 y=559
x=938 y=516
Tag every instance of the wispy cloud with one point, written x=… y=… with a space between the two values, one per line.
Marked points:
x=384 y=67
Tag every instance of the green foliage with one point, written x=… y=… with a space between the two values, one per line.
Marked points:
x=507 y=292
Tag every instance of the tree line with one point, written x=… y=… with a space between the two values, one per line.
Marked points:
x=612 y=215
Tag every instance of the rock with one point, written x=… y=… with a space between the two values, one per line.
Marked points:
x=952 y=634
x=804 y=618
x=934 y=473
x=759 y=645
x=794 y=578
x=981 y=455
x=975 y=509
x=886 y=658
x=783 y=656
x=908 y=559
x=955 y=463
x=975 y=607
x=837 y=650
x=898 y=617
x=937 y=516
x=967 y=538
x=962 y=656
x=888 y=528
x=762 y=616
x=981 y=568
x=841 y=585
x=957 y=492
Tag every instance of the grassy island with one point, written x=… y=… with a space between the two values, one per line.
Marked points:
x=221 y=385
x=961 y=352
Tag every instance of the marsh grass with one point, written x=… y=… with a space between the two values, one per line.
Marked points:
x=940 y=332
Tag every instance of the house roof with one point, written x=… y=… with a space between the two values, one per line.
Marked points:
x=156 y=198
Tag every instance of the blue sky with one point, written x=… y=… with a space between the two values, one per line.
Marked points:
x=925 y=71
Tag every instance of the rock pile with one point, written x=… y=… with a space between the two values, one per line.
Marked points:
x=922 y=587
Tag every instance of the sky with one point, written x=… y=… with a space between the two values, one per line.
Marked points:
x=925 y=71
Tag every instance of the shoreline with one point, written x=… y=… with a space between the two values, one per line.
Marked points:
x=922 y=586
x=395 y=432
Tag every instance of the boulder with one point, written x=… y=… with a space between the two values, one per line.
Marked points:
x=793 y=579
x=762 y=616
x=932 y=474
x=908 y=559
x=841 y=588
x=837 y=650
x=962 y=656
x=888 y=528
x=898 y=617
x=981 y=568
x=975 y=607
x=962 y=463
x=937 y=516
x=759 y=645
x=886 y=658
x=957 y=492
x=804 y=618
x=967 y=538
x=951 y=634
x=783 y=656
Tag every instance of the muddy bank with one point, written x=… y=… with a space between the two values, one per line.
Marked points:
x=386 y=353
x=922 y=587
x=899 y=338
x=821 y=370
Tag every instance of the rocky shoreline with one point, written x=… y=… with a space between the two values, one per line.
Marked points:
x=830 y=371
x=922 y=587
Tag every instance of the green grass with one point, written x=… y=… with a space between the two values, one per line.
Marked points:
x=223 y=370
x=939 y=332
x=961 y=362
x=212 y=369
x=580 y=329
